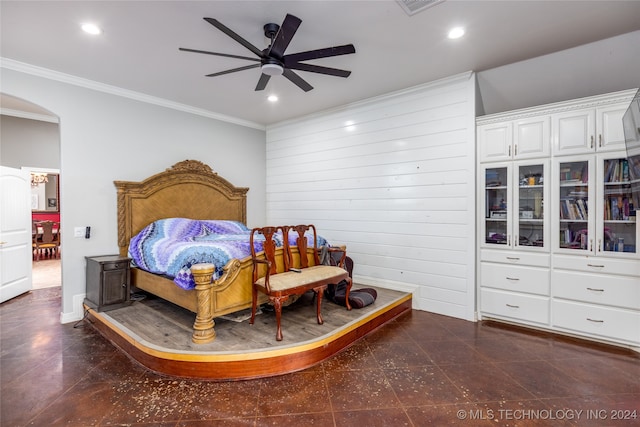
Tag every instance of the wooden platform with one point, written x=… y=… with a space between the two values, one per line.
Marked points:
x=157 y=334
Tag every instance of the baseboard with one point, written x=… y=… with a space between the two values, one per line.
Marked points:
x=78 y=310
x=361 y=281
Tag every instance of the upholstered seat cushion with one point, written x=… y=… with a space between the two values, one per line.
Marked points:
x=291 y=279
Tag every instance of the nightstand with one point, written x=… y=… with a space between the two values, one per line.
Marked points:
x=108 y=282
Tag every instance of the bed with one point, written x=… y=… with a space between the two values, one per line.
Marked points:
x=189 y=189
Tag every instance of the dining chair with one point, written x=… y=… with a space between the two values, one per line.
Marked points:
x=46 y=237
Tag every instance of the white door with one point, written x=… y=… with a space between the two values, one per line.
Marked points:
x=15 y=233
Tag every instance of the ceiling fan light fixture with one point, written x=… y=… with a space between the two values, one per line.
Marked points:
x=272 y=69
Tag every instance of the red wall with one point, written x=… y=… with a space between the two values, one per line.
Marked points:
x=45 y=216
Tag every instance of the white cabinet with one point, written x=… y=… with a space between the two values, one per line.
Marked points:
x=514 y=286
x=495 y=141
x=593 y=125
x=513 y=196
x=514 y=264
x=531 y=137
x=594 y=209
x=516 y=139
x=573 y=132
x=573 y=207
x=558 y=231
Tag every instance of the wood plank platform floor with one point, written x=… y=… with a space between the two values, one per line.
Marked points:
x=157 y=334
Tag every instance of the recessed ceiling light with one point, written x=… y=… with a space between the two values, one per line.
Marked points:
x=456 y=33
x=91 y=29
x=272 y=98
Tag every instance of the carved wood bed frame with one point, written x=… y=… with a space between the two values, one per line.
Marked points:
x=189 y=189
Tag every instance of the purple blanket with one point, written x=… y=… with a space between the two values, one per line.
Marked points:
x=171 y=246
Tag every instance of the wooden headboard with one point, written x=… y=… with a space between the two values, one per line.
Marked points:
x=189 y=189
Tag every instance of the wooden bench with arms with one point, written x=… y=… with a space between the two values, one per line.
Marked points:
x=299 y=271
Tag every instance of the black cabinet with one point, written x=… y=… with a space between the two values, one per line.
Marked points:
x=108 y=282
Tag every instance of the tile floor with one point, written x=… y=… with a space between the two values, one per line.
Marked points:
x=46 y=273
x=420 y=370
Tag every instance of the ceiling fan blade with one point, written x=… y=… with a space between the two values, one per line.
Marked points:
x=320 y=53
x=262 y=83
x=234 y=36
x=318 y=69
x=218 y=54
x=233 y=70
x=285 y=34
x=297 y=80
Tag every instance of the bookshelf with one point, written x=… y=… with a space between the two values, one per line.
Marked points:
x=558 y=233
x=514 y=195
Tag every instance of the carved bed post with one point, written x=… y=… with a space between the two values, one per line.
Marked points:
x=203 y=326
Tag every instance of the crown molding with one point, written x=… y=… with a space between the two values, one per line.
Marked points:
x=27 y=115
x=34 y=70
x=559 y=107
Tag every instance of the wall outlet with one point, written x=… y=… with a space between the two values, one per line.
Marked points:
x=79 y=231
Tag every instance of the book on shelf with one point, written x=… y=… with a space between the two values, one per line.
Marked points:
x=625 y=209
x=617 y=171
x=610 y=171
x=614 y=208
x=564 y=212
x=582 y=208
x=634 y=167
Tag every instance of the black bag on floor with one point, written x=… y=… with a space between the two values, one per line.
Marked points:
x=358 y=298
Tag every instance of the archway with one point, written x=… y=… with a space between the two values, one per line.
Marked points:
x=31 y=141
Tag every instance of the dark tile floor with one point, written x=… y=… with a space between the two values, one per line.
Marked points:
x=420 y=370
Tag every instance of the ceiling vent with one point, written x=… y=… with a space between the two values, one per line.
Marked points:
x=414 y=6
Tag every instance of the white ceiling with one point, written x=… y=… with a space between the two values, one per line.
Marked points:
x=138 y=50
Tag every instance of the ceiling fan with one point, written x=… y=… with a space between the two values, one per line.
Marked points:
x=272 y=60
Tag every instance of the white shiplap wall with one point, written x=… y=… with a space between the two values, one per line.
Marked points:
x=393 y=179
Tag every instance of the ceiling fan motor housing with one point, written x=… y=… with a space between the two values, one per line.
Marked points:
x=273 y=61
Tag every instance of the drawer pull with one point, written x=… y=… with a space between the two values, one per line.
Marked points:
x=124 y=285
x=513 y=258
x=595 y=290
x=512 y=278
x=596 y=265
x=595 y=320
x=512 y=306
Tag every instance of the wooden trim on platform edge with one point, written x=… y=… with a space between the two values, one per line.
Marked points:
x=253 y=364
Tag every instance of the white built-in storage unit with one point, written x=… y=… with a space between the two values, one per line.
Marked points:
x=557 y=228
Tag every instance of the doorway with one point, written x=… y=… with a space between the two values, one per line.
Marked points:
x=31 y=141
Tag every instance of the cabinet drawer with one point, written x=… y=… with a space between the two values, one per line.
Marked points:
x=598 y=265
x=598 y=321
x=516 y=258
x=118 y=265
x=619 y=291
x=529 y=308
x=515 y=278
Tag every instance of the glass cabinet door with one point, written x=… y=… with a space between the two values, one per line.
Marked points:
x=573 y=205
x=619 y=207
x=530 y=205
x=496 y=222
